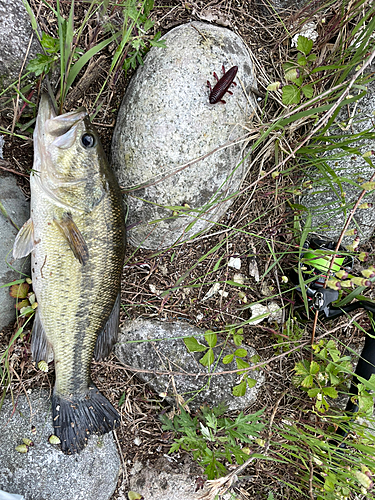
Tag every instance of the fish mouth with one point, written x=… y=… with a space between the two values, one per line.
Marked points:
x=52 y=129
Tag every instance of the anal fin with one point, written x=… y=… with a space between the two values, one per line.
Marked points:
x=74 y=237
x=108 y=336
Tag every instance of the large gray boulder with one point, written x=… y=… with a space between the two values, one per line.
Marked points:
x=328 y=207
x=44 y=471
x=15 y=35
x=17 y=208
x=166 y=126
x=158 y=347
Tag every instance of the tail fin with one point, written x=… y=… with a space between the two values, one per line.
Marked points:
x=75 y=419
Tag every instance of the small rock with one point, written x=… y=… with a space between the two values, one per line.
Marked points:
x=167 y=481
x=137 y=441
x=260 y=312
x=235 y=262
x=308 y=30
x=276 y=312
x=212 y=291
x=239 y=278
x=253 y=269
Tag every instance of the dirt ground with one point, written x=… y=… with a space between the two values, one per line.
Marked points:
x=266 y=210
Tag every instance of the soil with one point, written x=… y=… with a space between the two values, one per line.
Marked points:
x=268 y=237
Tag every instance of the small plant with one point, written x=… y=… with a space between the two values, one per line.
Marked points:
x=132 y=41
x=25 y=298
x=238 y=355
x=213 y=439
x=321 y=378
x=296 y=72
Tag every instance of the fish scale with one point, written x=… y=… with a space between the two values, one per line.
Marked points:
x=76 y=235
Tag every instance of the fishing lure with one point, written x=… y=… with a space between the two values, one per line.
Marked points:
x=222 y=85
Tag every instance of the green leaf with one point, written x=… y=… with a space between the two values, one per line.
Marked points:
x=314 y=367
x=301 y=368
x=208 y=358
x=205 y=431
x=307 y=381
x=308 y=91
x=50 y=44
x=237 y=339
x=241 y=363
x=211 y=338
x=330 y=481
x=251 y=382
x=330 y=392
x=312 y=58
x=301 y=60
x=41 y=64
x=167 y=424
x=304 y=44
x=255 y=359
x=122 y=399
x=228 y=359
x=148 y=24
x=291 y=94
x=313 y=392
x=193 y=345
x=241 y=353
x=155 y=42
x=240 y=389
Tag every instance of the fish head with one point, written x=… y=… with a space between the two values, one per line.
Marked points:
x=68 y=156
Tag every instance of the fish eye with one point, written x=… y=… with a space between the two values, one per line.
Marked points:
x=88 y=140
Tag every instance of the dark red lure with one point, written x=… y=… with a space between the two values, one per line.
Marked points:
x=222 y=85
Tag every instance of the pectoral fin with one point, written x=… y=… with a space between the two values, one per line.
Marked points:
x=24 y=242
x=108 y=336
x=74 y=238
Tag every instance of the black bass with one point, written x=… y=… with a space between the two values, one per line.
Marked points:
x=76 y=237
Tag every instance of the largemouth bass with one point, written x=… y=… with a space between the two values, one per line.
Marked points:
x=76 y=237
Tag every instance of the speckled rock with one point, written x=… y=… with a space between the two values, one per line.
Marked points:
x=158 y=346
x=17 y=208
x=328 y=208
x=167 y=479
x=45 y=472
x=166 y=126
x=15 y=35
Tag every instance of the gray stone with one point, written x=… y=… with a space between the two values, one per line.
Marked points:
x=166 y=122
x=157 y=346
x=167 y=479
x=324 y=201
x=15 y=35
x=17 y=208
x=45 y=472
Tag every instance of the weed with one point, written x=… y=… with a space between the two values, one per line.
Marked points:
x=213 y=439
x=321 y=378
x=238 y=356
